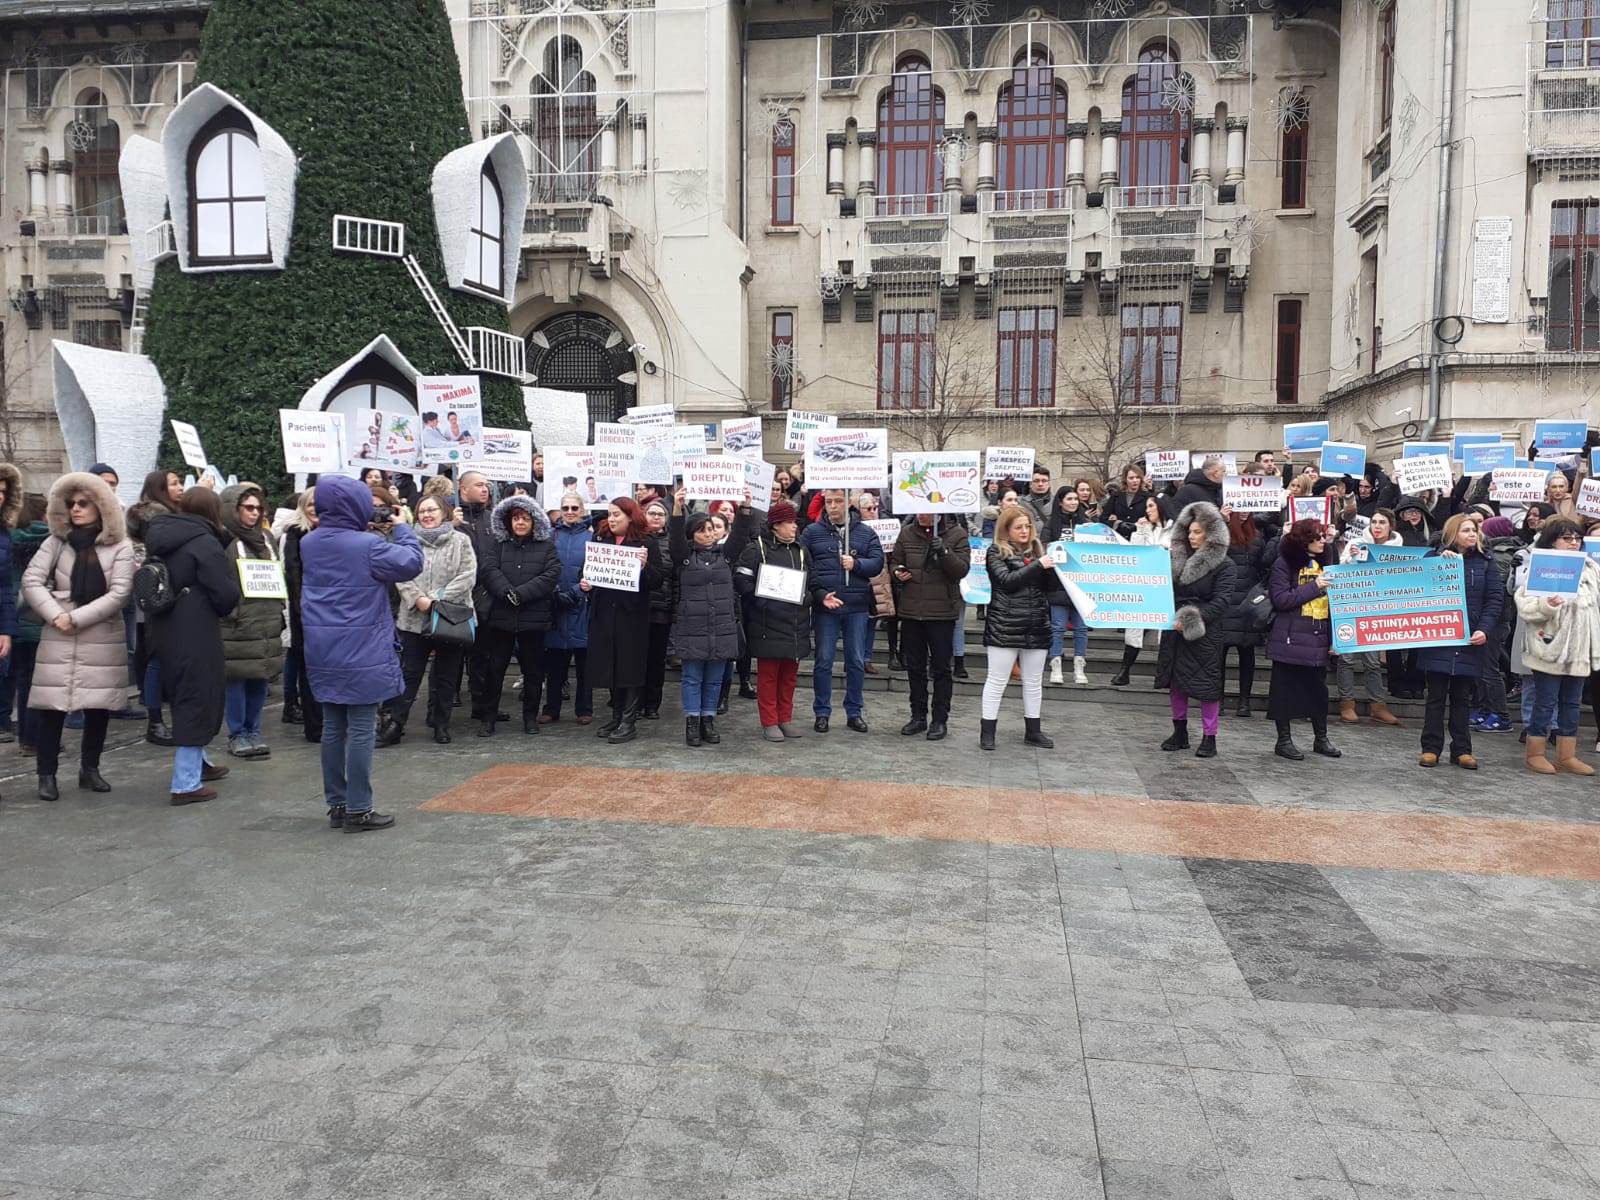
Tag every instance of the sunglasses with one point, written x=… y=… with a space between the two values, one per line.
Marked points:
x=571 y=508
x=80 y=503
x=1569 y=537
x=249 y=508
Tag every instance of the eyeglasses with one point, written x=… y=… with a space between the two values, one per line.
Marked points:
x=80 y=503
x=1569 y=537
x=249 y=508
x=571 y=508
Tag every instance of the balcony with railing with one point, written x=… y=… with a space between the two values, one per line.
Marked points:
x=1562 y=93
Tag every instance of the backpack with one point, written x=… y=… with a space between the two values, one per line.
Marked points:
x=152 y=588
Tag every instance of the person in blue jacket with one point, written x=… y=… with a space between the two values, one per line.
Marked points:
x=567 y=644
x=350 y=639
x=1452 y=672
x=845 y=556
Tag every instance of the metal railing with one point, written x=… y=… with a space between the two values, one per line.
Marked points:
x=935 y=204
x=1171 y=195
x=497 y=353
x=160 y=242
x=90 y=226
x=1056 y=199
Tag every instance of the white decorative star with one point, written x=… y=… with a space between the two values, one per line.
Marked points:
x=780 y=360
x=1113 y=8
x=772 y=123
x=862 y=13
x=1248 y=230
x=969 y=12
x=688 y=189
x=81 y=135
x=830 y=286
x=1291 y=109
x=1177 y=93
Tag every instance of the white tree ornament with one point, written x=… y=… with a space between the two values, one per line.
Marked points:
x=964 y=149
x=1352 y=312
x=1248 y=230
x=830 y=286
x=688 y=190
x=1112 y=8
x=1406 y=118
x=780 y=361
x=1177 y=93
x=969 y=12
x=771 y=123
x=80 y=135
x=1291 y=109
x=130 y=54
x=862 y=13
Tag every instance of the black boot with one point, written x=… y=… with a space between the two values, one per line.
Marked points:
x=1208 y=746
x=986 y=734
x=157 y=733
x=530 y=722
x=958 y=667
x=1286 y=747
x=708 y=731
x=293 y=714
x=627 y=725
x=486 y=727
x=391 y=732
x=722 y=700
x=1320 y=743
x=1129 y=657
x=1244 y=706
x=48 y=789
x=691 y=731
x=610 y=726
x=89 y=779
x=746 y=691
x=1034 y=735
x=1180 y=737
x=441 y=734
x=650 y=706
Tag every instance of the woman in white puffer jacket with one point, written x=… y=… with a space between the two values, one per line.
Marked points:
x=1561 y=649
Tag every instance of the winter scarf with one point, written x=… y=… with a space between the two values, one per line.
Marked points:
x=88 y=580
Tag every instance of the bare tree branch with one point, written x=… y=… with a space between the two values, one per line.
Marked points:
x=1098 y=424
x=958 y=370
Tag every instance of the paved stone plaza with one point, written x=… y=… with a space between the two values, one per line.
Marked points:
x=864 y=967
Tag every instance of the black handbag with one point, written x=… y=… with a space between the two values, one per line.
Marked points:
x=453 y=623
x=1257 y=607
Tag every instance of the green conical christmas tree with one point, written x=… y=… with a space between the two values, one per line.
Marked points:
x=369 y=97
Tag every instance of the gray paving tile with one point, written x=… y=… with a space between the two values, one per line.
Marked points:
x=1135 y=1180
x=1369 y=1105
x=688 y=1149
x=924 y=1115
x=388 y=1176
x=1485 y=1114
x=786 y=1162
x=1133 y=1041
x=1397 y=1159
x=1013 y=1175
x=1256 y=1185
x=1543 y=1170
x=1171 y=1135
x=893 y=1170
x=1575 y=1122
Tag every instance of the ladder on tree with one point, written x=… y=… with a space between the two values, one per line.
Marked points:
x=136 y=323
x=441 y=314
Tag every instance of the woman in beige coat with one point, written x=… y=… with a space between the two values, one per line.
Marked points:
x=77 y=584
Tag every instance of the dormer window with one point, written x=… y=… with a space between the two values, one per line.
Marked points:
x=486 y=253
x=228 y=193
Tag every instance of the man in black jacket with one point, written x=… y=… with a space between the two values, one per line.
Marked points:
x=474 y=517
x=1203 y=484
x=929 y=560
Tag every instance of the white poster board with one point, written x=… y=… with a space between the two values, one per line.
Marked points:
x=1588 y=498
x=390 y=440
x=938 y=481
x=1009 y=462
x=1230 y=461
x=1424 y=471
x=262 y=579
x=781 y=583
x=1252 y=493
x=194 y=454
x=1518 y=485
x=571 y=469
x=847 y=458
x=505 y=455
x=452 y=416
x=741 y=437
x=310 y=442
x=800 y=424
x=1166 y=466
x=1491 y=269
x=688 y=441
x=651 y=416
x=758 y=476
x=887 y=529
x=556 y=418
x=714 y=479
x=607 y=565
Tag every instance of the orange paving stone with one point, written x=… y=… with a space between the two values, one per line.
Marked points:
x=1318 y=837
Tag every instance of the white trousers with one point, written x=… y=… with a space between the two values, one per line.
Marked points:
x=994 y=686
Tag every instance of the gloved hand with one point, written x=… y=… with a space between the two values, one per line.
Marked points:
x=936 y=546
x=513 y=598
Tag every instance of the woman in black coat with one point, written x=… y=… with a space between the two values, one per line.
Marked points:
x=662 y=601
x=619 y=627
x=1247 y=544
x=300 y=707
x=779 y=633
x=705 y=621
x=1189 y=663
x=1016 y=624
x=186 y=640
x=520 y=573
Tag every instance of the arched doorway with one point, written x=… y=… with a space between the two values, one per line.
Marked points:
x=583 y=352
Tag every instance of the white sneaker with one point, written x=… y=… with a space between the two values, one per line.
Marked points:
x=1078 y=675
x=1055 y=670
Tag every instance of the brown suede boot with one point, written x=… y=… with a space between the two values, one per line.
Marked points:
x=1535 y=759
x=1347 y=712
x=1378 y=713
x=1567 y=759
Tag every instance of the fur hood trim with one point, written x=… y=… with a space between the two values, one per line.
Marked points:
x=1190 y=565
x=500 y=523
x=113 y=525
x=12 y=509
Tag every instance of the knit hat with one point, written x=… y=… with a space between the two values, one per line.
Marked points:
x=1498 y=527
x=104 y=469
x=695 y=520
x=779 y=513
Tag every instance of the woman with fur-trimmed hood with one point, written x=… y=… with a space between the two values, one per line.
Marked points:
x=77 y=584
x=520 y=571
x=1189 y=663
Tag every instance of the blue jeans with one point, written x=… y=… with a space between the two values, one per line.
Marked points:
x=1556 y=699
x=150 y=692
x=349 y=732
x=702 y=686
x=958 y=645
x=1060 y=618
x=827 y=627
x=243 y=701
x=186 y=766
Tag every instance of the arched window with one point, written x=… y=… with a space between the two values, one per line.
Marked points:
x=486 y=253
x=567 y=130
x=372 y=384
x=1032 y=118
x=1155 y=131
x=96 y=143
x=910 y=139
x=584 y=352
x=228 y=193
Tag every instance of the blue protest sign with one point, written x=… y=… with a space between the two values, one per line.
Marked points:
x=1093 y=531
x=1305 y=435
x=1463 y=440
x=1412 y=449
x=1343 y=458
x=1482 y=457
x=1128 y=586
x=1591 y=547
x=1559 y=436
x=975 y=586
x=1398 y=603
x=1594 y=463
x=1381 y=553
x=1555 y=572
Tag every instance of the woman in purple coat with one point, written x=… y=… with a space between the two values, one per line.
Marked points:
x=1301 y=634
x=349 y=638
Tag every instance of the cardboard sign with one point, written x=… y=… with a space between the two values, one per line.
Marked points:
x=1126 y=587
x=1311 y=508
x=194 y=454
x=1588 y=498
x=801 y=424
x=1424 y=471
x=651 y=416
x=1412 y=449
x=1230 y=461
x=391 y=440
x=1305 y=435
x=888 y=532
x=556 y=418
x=758 y=476
x=1397 y=603
x=741 y=438
x=452 y=416
x=1564 y=437
x=1009 y=462
x=1555 y=572
x=311 y=441
x=847 y=458
x=688 y=441
x=783 y=584
x=505 y=455
x=262 y=579
x=1518 y=485
x=939 y=481
x=1461 y=441
x=1483 y=457
x=1343 y=458
x=975 y=585
x=714 y=479
x=1166 y=466
x=572 y=469
x=1252 y=493
x=607 y=565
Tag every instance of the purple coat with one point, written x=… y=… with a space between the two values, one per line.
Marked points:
x=1294 y=638
x=344 y=607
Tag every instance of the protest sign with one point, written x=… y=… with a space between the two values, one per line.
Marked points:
x=1397 y=603
x=607 y=565
x=1563 y=437
x=1588 y=498
x=1230 y=461
x=1252 y=493
x=1009 y=462
x=758 y=476
x=1094 y=531
x=1594 y=462
x=975 y=585
x=452 y=416
x=651 y=416
x=688 y=441
x=1518 y=485
x=1483 y=457
x=616 y=453
x=387 y=439
x=847 y=458
x=1305 y=435
x=935 y=481
x=262 y=579
x=1379 y=553
x=781 y=583
x=505 y=455
x=1166 y=466
x=1412 y=449
x=1422 y=472
x=1311 y=508
x=799 y=424
x=194 y=454
x=1128 y=586
x=1555 y=572
x=1591 y=547
x=310 y=441
x=714 y=479
x=1343 y=458
x=556 y=418
x=572 y=469
x=1460 y=442
x=741 y=437
x=888 y=531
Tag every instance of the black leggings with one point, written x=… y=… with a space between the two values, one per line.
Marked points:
x=1247 y=669
x=49 y=723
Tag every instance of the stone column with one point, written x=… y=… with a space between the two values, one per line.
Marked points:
x=1200 y=149
x=836 y=164
x=608 y=148
x=952 y=167
x=1076 y=136
x=987 y=136
x=867 y=187
x=1110 y=151
x=38 y=187
x=1236 y=128
x=61 y=203
x=640 y=157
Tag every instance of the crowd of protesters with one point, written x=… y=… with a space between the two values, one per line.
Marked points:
x=390 y=585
